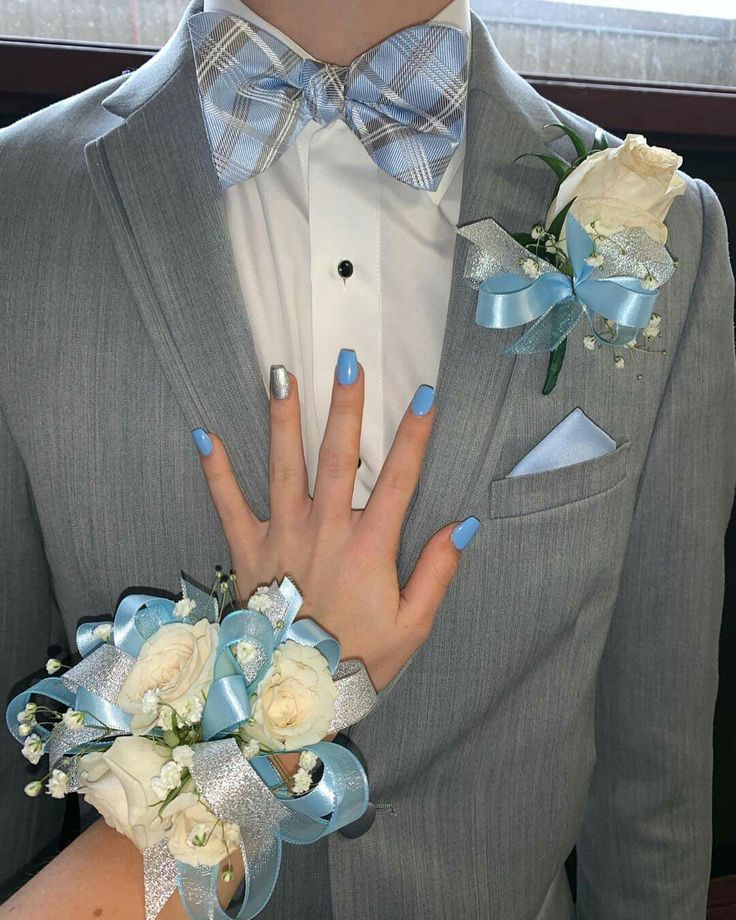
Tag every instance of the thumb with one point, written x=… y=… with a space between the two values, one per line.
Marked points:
x=434 y=571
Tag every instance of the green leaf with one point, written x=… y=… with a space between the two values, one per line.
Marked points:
x=559 y=166
x=556 y=360
x=599 y=141
x=555 y=228
x=580 y=149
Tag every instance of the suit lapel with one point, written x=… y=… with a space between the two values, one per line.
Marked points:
x=155 y=182
x=504 y=119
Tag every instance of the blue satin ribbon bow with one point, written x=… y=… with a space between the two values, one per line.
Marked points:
x=554 y=302
x=338 y=798
x=228 y=705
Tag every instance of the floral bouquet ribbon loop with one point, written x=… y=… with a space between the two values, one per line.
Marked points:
x=188 y=703
x=515 y=287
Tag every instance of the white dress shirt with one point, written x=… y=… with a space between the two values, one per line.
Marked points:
x=322 y=202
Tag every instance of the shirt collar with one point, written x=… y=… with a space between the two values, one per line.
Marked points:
x=456 y=13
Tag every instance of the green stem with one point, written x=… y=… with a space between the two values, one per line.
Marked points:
x=554 y=367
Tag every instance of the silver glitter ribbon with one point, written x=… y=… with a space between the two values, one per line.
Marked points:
x=628 y=252
x=517 y=287
x=102 y=676
x=356 y=695
x=234 y=793
x=493 y=252
x=160 y=876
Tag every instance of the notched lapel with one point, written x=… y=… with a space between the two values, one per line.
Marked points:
x=157 y=187
x=504 y=119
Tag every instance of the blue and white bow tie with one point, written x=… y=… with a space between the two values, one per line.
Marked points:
x=404 y=98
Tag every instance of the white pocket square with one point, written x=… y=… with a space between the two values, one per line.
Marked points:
x=574 y=440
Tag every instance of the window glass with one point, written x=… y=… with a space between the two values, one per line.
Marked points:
x=120 y=22
x=670 y=41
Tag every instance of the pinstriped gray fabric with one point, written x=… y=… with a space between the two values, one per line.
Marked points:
x=566 y=693
x=404 y=99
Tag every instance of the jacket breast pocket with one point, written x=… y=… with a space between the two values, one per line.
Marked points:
x=522 y=495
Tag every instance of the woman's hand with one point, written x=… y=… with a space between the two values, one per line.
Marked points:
x=343 y=561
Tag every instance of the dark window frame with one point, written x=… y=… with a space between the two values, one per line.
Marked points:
x=34 y=71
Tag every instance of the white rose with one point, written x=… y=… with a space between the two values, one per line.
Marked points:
x=117 y=782
x=178 y=662
x=187 y=814
x=295 y=701
x=632 y=185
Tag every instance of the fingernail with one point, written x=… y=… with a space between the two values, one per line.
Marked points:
x=464 y=532
x=347 y=367
x=423 y=400
x=280 y=383
x=203 y=441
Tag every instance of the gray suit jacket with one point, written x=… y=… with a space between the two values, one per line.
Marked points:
x=566 y=694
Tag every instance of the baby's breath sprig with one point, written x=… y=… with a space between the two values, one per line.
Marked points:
x=227 y=871
x=225 y=591
x=53 y=666
x=650 y=333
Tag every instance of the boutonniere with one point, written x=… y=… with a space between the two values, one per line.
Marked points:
x=600 y=253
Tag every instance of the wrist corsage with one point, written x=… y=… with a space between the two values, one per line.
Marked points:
x=170 y=718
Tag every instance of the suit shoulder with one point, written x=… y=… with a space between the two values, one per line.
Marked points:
x=55 y=134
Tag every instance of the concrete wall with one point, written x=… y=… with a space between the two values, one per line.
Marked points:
x=535 y=36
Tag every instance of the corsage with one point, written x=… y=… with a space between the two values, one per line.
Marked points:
x=168 y=723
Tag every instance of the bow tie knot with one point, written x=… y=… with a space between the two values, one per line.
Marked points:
x=404 y=99
x=323 y=86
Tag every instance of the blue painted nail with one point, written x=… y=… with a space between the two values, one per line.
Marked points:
x=464 y=532
x=423 y=400
x=203 y=441
x=347 y=367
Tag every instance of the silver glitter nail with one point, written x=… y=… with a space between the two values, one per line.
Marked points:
x=280 y=383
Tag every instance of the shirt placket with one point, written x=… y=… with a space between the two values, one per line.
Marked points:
x=344 y=232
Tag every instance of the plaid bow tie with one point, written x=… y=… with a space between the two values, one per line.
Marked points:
x=404 y=99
